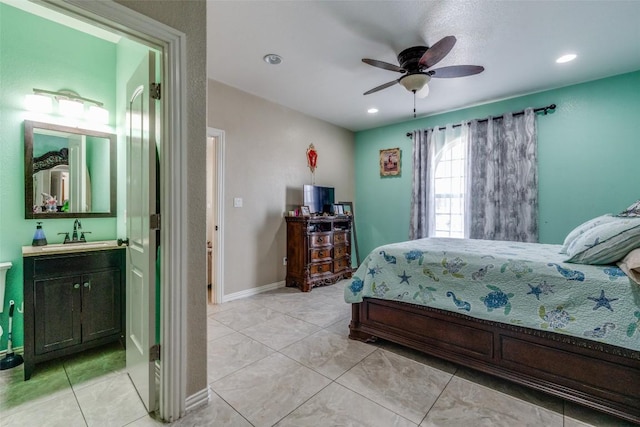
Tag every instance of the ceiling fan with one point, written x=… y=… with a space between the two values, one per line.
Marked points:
x=415 y=63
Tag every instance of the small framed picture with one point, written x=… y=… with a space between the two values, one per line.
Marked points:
x=305 y=211
x=390 y=162
x=347 y=207
x=338 y=209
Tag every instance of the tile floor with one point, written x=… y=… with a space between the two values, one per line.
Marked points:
x=283 y=358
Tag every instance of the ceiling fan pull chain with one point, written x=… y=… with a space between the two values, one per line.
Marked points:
x=414 y=104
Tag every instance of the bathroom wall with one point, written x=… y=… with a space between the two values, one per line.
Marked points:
x=54 y=57
x=587 y=159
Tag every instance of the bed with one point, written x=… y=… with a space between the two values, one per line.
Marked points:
x=514 y=310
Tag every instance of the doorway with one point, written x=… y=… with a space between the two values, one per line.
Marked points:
x=173 y=166
x=215 y=216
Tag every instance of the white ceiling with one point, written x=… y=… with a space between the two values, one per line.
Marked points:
x=322 y=43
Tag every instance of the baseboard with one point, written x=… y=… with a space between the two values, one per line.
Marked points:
x=198 y=399
x=253 y=291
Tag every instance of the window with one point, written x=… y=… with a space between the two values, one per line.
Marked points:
x=449 y=188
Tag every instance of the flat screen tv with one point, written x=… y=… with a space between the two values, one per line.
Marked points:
x=319 y=199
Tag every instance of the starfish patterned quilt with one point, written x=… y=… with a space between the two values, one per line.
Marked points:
x=526 y=284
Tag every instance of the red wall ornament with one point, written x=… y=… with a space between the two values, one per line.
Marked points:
x=312 y=158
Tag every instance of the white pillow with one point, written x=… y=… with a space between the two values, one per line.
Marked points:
x=606 y=243
x=582 y=228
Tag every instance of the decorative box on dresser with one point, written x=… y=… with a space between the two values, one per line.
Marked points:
x=318 y=250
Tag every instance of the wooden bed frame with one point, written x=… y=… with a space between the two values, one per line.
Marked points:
x=596 y=375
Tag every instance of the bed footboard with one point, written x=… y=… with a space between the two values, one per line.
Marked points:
x=599 y=376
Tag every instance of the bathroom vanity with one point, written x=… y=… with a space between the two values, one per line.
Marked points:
x=73 y=299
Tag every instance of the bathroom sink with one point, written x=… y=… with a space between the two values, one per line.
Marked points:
x=73 y=246
x=61 y=248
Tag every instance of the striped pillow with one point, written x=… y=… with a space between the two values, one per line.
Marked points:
x=583 y=228
x=606 y=243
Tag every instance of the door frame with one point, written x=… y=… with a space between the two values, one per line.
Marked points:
x=218 y=217
x=173 y=234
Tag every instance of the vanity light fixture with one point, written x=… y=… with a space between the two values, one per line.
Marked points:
x=71 y=108
x=39 y=103
x=70 y=104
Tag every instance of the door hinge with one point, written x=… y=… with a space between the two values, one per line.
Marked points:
x=155 y=90
x=154 y=222
x=154 y=353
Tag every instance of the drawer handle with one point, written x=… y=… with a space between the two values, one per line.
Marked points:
x=76 y=286
x=320 y=239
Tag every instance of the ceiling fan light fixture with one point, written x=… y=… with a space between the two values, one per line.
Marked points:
x=415 y=81
x=272 y=59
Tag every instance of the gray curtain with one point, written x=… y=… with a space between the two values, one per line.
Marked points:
x=503 y=179
x=422 y=184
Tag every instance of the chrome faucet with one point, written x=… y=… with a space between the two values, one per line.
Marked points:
x=76 y=226
x=74 y=237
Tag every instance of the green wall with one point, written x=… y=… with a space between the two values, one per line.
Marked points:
x=588 y=152
x=54 y=57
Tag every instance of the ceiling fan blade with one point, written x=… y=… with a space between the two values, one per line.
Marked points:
x=384 y=86
x=383 y=65
x=456 y=71
x=435 y=53
x=424 y=92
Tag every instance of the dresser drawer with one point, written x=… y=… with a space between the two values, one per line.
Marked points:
x=340 y=251
x=318 y=240
x=320 y=268
x=320 y=254
x=340 y=237
x=340 y=265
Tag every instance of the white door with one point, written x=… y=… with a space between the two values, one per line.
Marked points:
x=141 y=252
x=211 y=218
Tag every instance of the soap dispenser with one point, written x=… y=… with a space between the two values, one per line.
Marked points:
x=38 y=238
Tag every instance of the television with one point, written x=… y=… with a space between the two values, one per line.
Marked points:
x=319 y=199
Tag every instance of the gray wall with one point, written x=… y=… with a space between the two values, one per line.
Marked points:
x=265 y=165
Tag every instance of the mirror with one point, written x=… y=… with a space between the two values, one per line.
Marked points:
x=69 y=172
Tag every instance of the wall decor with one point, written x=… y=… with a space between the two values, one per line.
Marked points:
x=312 y=161
x=390 y=162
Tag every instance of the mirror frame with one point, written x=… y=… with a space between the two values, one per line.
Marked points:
x=29 y=127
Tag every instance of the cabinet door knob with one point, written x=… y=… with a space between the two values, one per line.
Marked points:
x=87 y=285
x=76 y=286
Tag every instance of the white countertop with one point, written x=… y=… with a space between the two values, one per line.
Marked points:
x=61 y=248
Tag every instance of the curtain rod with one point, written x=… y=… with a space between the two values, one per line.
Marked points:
x=545 y=111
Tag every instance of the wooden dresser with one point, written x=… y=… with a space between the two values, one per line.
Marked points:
x=318 y=251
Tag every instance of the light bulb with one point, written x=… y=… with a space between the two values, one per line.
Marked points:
x=38 y=103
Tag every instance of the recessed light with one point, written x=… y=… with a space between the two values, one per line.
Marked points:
x=272 y=59
x=566 y=58
x=372 y=110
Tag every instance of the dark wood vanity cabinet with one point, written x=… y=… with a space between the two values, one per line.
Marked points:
x=72 y=302
x=318 y=251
